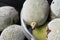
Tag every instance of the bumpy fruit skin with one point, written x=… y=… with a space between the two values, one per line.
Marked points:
x=1 y=38
x=40 y=32
x=54 y=26
x=35 y=11
x=8 y=16
x=55 y=9
x=12 y=32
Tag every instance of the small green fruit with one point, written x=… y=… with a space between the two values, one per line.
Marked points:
x=13 y=32
x=55 y=9
x=35 y=11
x=54 y=26
x=8 y=15
x=40 y=32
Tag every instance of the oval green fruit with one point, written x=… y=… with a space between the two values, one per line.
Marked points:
x=54 y=26
x=55 y=9
x=12 y=32
x=8 y=15
x=35 y=11
x=40 y=32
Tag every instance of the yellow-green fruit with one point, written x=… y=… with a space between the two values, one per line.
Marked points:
x=40 y=32
x=35 y=11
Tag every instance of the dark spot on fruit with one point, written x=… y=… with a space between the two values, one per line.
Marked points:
x=52 y=2
x=48 y=31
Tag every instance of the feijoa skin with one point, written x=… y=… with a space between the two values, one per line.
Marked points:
x=55 y=9
x=8 y=16
x=12 y=32
x=35 y=11
x=54 y=26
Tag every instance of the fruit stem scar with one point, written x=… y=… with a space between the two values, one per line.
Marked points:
x=33 y=24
